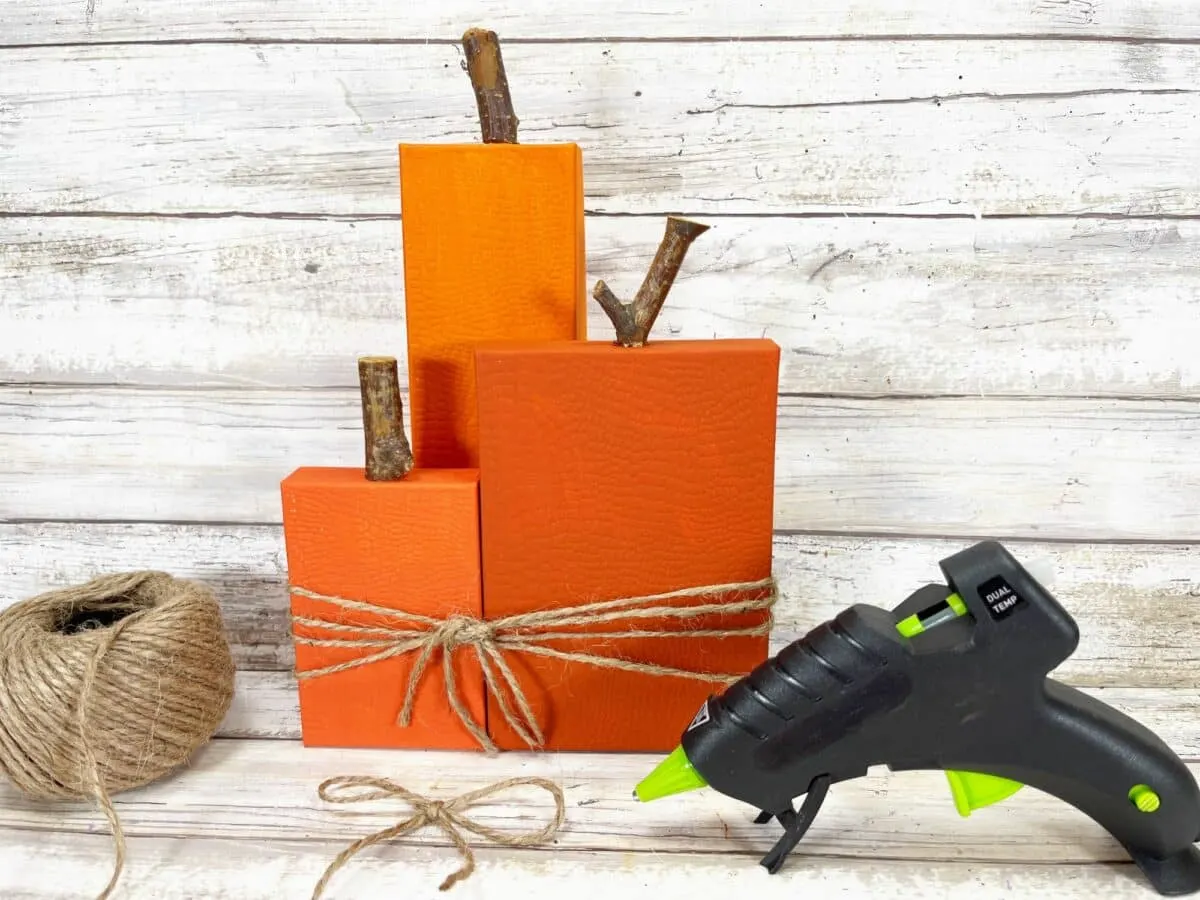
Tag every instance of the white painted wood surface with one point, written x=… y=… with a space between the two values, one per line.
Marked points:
x=266 y=707
x=64 y=21
x=739 y=127
x=266 y=790
x=184 y=868
x=260 y=797
x=1030 y=306
x=1138 y=605
x=972 y=229
x=1064 y=468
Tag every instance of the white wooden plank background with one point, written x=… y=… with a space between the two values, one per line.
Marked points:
x=1136 y=603
x=747 y=126
x=265 y=706
x=971 y=229
x=64 y=21
x=1028 y=306
x=1064 y=468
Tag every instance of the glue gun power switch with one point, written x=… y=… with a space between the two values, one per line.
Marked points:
x=954 y=678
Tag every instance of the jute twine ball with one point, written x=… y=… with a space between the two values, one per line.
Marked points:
x=108 y=686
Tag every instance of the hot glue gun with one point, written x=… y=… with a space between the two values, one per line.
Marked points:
x=954 y=678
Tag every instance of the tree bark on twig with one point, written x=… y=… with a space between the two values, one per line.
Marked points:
x=485 y=66
x=633 y=321
x=388 y=454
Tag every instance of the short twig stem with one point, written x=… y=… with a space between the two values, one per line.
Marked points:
x=388 y=454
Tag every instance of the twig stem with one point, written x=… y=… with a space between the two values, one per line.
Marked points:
x=485 y=66
x=388 y=454
x=633 y=321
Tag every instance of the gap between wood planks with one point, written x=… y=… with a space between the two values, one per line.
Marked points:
x=947 y=98
x=865 y=396
x=602 y=214
x=214 y=868
x=440 y=843
x=545 y=21
x=864 y=534
x=484 y=850
x=890 y=38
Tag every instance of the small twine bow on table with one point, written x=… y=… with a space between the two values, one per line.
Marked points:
x=527 y=633
x=445 y=814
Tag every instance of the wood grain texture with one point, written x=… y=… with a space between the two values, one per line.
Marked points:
x=1063 y=468
x=267 y=705
x=875 y=306
x=183 y=868
x=1137 y=604
x=250 y=790
x=965 y=128
x=65 y=21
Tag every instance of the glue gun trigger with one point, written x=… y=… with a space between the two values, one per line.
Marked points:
x=795 y=824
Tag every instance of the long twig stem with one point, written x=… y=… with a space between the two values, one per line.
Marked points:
x=485 y=66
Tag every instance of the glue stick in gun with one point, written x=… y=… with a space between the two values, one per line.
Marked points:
x=954 y=678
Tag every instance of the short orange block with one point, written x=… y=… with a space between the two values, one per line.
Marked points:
x=610 y=472
x=493 y=250
x=411 y=545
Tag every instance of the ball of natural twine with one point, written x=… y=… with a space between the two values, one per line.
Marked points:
x=110 y=685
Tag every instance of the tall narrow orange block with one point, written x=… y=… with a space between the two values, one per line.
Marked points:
x=411 y=545
x=609 y=472
x=493 y=250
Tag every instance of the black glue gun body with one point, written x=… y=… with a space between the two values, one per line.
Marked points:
x=955 y=678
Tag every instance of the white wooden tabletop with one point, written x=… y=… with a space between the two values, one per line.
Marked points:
x=972 y=228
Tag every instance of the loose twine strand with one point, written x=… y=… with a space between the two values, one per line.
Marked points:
x=90 y=769
x=445 y=814
x=490 y=639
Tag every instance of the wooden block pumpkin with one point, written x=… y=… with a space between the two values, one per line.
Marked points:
x=493 y=250
x=361 y=542
x=614 y=470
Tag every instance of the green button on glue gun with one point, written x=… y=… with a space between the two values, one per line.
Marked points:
x=954 y=678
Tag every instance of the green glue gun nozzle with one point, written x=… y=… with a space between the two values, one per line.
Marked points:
x=674 y=775
x=954 y=679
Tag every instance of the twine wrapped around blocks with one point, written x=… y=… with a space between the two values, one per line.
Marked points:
x=108 y=686
x=401 y=633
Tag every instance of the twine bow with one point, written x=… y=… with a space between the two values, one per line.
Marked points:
x=490 y=639
x=445 y=814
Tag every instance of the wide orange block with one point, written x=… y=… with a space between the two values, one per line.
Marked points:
x=609 y=472
x=493 y=250
x=410 y=545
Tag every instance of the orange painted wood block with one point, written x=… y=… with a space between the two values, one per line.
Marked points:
x=609 y=472
x=493 y=251
x=411 y=544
